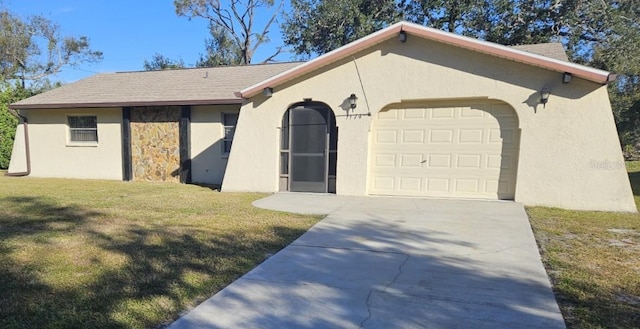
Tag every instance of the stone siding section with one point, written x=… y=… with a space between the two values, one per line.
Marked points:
x=155 y=143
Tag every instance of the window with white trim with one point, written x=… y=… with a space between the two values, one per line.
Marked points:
x=83 y=129
x=229 y=121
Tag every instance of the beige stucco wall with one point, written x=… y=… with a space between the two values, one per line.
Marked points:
x=18 y=161
x=208 y=162
x=562 y=144
x=52 y=155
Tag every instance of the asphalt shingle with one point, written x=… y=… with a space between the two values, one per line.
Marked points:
x=553 y=50
x=185 y=87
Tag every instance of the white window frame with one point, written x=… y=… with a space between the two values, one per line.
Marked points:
x=226 y=126
x=71 y=142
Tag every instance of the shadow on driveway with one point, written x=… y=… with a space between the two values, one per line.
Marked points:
x=396 y=263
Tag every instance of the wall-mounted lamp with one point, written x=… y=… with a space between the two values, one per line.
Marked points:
x=352 y=101
x=544 y=95
x=267 y=92
x=566 y=77
x=402 y=36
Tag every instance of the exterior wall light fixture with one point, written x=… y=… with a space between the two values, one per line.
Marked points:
x=544 y=95
x=352 y=101
x=402 y=36
x=566 y=77
x=267 y=92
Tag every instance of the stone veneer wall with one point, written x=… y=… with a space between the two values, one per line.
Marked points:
x=155 y=143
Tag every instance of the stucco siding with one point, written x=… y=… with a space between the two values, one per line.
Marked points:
x=53 y=155
x=18 y=161
x=561 y=143
x=208 y=162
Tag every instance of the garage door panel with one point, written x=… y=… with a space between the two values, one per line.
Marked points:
x=411 y=184
x=414 y=113
x=441 y=136
x=411 y=160
x=438 y=185
x=384 y=184
x=442 y=113
x=439 y=161
x=470 y=136
x=469 y=161
x=385 y=160
x=468 y=185
x=413 y=136
x=448 y=151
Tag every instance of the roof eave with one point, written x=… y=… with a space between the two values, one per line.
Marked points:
x=581 y=71
x=585 y=72
x=231 y=101
x=323 y=60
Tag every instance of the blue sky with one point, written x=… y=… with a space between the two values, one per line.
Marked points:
x=128 y=31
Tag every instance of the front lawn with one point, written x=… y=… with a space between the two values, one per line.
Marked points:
x=593 y=259
x=107 y=254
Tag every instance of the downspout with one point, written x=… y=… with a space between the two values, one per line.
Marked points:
x=25 y=123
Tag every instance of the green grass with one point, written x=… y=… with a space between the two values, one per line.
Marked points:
x=106 y=254
x=593 y=260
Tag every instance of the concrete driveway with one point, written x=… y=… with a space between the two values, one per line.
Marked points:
x=378 y=262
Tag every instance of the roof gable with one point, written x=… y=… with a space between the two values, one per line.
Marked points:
x=529 y=55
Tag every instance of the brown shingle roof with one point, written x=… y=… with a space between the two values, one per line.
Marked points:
x=553 y=50
x=171 y=87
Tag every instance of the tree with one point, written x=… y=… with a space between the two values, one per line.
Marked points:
x=8 y=123
x=234 y=22
x=32 y=48
x=159 y=62
x=10 y=93
x=316 y=27
x=220 y=48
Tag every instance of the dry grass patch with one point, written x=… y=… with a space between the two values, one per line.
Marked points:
x=106 y=254
x=593 y=259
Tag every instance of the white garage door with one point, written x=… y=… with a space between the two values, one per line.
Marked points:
x=463 y=151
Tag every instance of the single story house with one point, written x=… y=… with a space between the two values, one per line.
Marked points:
x=406 y=111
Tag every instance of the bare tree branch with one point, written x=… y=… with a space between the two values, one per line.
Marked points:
x=235 y=17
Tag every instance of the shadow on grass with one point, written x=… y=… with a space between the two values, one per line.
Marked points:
x=634 y=177
x=159 y=271
x=595 y=309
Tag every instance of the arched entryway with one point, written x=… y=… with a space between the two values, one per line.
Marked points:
x=308 y=149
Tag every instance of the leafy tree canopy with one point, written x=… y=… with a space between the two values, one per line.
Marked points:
x=32 y=48
x=159 y=62
x=316 y=27
x=220 y=49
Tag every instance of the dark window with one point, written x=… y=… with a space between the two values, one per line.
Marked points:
x=83 y=128
x=229 y=121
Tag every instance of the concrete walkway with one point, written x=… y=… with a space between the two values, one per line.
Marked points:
x=378 y=262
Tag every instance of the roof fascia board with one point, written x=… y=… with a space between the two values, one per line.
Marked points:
x=493 y=49
x=323 y=60
x=506 y=52
x=233 y=101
